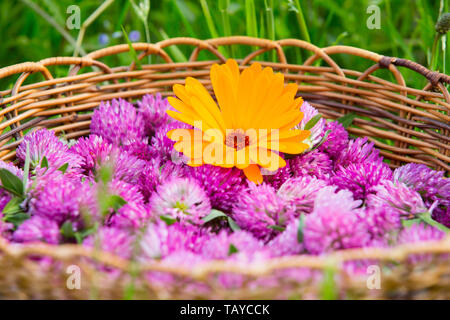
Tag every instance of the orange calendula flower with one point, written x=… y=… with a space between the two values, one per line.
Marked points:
x=248 y=129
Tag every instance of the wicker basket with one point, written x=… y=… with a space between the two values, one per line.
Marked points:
x=416 y=120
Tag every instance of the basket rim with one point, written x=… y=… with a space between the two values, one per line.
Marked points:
x=212 y=44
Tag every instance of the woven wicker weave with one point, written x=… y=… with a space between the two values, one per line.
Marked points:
x=415 y=120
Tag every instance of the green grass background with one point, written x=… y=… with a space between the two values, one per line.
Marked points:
x=407 y=27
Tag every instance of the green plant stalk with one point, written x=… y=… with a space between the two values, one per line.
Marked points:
x=268 y=4
x=434 y=51
x=87 y=23
x=186 y=23
x=223 y=4
x=52 y=22
x=209 y=20
x=132 y=51
x=301 y=22
x=250 y=20
x=210 y=23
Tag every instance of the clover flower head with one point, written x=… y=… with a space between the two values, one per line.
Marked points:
x=220 y=184
x=358 y=151
x=113 y=240
x=118 y=122
x=336 y=140
x=262 y=212
x=43 y=143
x=314 y=163
x=225 y=244
x=287 y=242
x=334 y=223
x=153 y=109
x=362 y=178
x=301 y=192
x=182 y=199
x=37 y=229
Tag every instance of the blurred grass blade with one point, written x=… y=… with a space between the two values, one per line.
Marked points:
x=180 y=8
x=294 y=5
x=250 y=18
x=270 y=21
x=209 y=20
x=142 y=11
x=132 y=51
x=223 y=7
x=176 y=52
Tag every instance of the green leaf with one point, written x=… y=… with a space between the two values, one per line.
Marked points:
x=232 y=249
x=13 y=206
x=426 y=217
x=116 y=202
x=324 y=138
x=301 y=226
x=214 y=214
x=11 y=183
x=67 y=230
x=275 y=227
x=347 y=120
x=64 y=167
x=313 y=121
x=132 y=51
x=168 y=219
x=44 y=162
x=17 y=218
x=233 y=225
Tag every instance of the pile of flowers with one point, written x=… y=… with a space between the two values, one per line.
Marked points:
x=134 y=189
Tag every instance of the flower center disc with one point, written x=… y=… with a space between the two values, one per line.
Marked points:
x=237 y=139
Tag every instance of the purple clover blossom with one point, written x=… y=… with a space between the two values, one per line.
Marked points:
x=139 y=148
x=43 y=143
x=334 y=223
x=221 y=246
x=261 y=211
x=314 y=163
x=127 y=167
x=155 y=173
x=431 y=185
x=336 y=141
x=382 y=222
x=182 y=199
x=162 y=146
x=118 y=122
x=153 y=110
x=301 y=193
x=362 y=178
x=220 y=184
x=405 y=201
x=418 y=233
x=57 y=199
x=131 y=216
x=38 y=229
x=287 y=242
x=358 y=151
x=112 y=240
x=94 y=150
x=160 y=240
x=317 y=130
x=278 y=177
